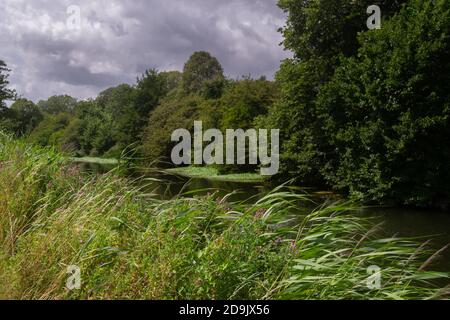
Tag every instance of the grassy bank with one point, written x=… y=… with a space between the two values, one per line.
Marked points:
x=95 y=160
x=129 y=245
x=211 y=173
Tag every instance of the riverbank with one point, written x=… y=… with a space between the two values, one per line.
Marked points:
x=208 y=173
x=211 y=173
x=128 y=245
x=94 y=160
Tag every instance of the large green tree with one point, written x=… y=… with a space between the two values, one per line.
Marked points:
x=50 y=131
x=319 y=33
x=5 y=92
x=386 y=112
x=245 y=100
x=26 y=116
x=201 y=69
x=150 y=88
x=6 y=115
x=174 y=113
x=118 y=112
x=58 y=104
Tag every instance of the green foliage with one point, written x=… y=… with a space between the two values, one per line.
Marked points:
x=116 y=119
x=6 y=115
x=123 y=122
x=294 y=115
x=234 y=106
x=5 y=92
x=328 y=29
x=245 y=100
x=173 y=80
x=106 y=126
x=201 y=69
x=50 y=130
x=365 y=114
x=386 y=112
x=131 y=246
x=319 y=33
x=151 y=87
x=173 y=113
x=25 y=116
x=58 y=104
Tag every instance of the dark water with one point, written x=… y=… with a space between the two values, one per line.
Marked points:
x=414 y=223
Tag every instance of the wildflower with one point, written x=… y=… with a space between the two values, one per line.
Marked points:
x=260 y=213
x=293 y=245
x=278 y=241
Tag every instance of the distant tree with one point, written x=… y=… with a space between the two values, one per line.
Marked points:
x=173 y=113
x=71 y=141
x=245 y=100
x=112 y=122
x=5 y=92
x=172 y=79
x=118 y=109
x=58 y=104
x=6 y=115
x=26 y=115
x=95 y=125
x=200 y=69
x=50 y=130
x=150 y=88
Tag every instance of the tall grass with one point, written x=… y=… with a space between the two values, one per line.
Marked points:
x=130 y=245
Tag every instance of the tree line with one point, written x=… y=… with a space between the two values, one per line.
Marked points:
x=363 y=112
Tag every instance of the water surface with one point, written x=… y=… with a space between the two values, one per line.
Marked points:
x=403 y=222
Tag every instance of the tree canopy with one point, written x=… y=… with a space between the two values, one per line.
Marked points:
x=200 y=69
x=386 y=112
x=5 y=92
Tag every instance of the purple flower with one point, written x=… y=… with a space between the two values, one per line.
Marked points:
x=260 y=213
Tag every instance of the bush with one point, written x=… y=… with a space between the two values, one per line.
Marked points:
x=385 y=114
x=173 y=113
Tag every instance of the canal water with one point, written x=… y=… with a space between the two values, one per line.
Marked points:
x=401 y=222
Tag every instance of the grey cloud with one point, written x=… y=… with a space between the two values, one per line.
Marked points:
x=120 y=39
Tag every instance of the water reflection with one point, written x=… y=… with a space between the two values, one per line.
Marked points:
x=425 y=224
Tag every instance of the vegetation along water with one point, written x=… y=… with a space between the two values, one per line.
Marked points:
x=358 y=207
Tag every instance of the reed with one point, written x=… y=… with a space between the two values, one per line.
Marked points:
x=129 y=245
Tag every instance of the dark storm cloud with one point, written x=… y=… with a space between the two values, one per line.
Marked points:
x=54 y=60
x=118 y=40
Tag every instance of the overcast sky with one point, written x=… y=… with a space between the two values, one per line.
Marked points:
x=119 y=39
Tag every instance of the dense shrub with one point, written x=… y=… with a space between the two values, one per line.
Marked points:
x=173 y=113
x=385 y=113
